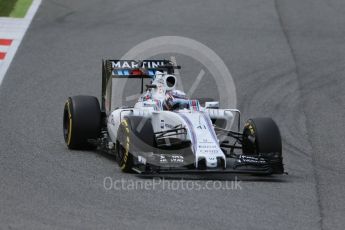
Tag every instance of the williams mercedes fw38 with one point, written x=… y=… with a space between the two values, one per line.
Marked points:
x=167 y=132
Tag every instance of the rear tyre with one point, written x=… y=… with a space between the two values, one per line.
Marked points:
x=81 y=121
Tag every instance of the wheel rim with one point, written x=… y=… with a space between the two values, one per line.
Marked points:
x=248 y=146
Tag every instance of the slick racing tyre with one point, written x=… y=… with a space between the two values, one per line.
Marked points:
x=262 y=136
x=123 y=146
x=81 y=121
x=134 y=133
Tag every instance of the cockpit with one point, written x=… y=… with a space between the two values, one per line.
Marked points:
x=163 y=95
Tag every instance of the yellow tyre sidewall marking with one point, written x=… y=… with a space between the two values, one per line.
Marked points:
x=251 y=128
x=126 y=145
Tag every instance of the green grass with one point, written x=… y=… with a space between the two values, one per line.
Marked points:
x=6 y=7
x=14 y=8
x=21 y=8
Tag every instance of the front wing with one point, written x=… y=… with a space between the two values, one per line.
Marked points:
x=242 y=164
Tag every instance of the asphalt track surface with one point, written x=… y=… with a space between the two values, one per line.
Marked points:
x=287 y=60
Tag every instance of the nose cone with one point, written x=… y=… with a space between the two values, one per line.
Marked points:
x=211 y=162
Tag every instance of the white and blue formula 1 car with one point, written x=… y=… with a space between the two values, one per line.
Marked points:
x=166 y=132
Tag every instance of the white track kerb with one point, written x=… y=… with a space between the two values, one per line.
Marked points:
x=12 y=31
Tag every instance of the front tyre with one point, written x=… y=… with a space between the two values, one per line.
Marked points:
x=261 y=136
x=81 y=121
x=123 y=146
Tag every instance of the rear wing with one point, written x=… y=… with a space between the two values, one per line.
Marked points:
x=122 y=69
